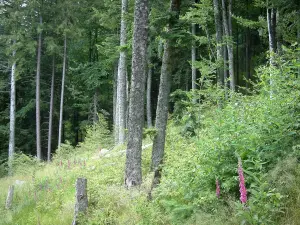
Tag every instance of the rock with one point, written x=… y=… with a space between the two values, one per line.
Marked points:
x=20 y=182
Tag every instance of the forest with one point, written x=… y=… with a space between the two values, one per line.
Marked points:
x=150 y=112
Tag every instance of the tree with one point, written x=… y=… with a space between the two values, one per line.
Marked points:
x=121 y=84
x=12 y=114
x=38 y=114
x=219 y=33
x=163 y=96
x=62 y=92
x=51 y=110
x=226 y=12
x=133 y=171
x=149 y=85
x=194 y=78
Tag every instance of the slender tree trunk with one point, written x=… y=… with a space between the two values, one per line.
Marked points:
x=133 y=170
x=38 y=114
x=247 y=60
x=51 y=110
x=116 y=135
x=163 y=98
x=272 y=43
x=219 y=33
x=194 y=72
x=225 y=56
x=237 y=55
x=298 y=38
x=12 y=113
x=121 y=89
x=228 y=30
x=62 y=93
x=95 y=106
x=278 y=33
x=271 y=33
x=149 y=84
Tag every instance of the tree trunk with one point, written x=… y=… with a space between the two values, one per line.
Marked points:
x=228 y=31
x=12 y=113
x=225 y=56
x=194 y=78
x=298 y=38
x=115 y=84
x=121 y=89
x=51 y=110
x=95 y=106
x=38 y=116
x=247 y=60
x=10 y=196
x=81 y=204
x=271 y=33
x=133 y=171
x=163 y=98
x=272 y=42
x=237 y=55
x=219 y=33
x=149 y=84
x=62 y=93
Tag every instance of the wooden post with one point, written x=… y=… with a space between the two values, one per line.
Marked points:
x=10 y=196
x=81 y=198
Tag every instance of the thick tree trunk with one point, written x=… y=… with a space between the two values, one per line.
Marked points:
x=228 y=30
x=81 y=204
x=219 y=33
x=121 y=88
x=194 y=77
x=12 y=113
x=51 y=110
x=163 y=98
x=149 y=85
x=62 y=93
x=133 y=171
x=38 y=114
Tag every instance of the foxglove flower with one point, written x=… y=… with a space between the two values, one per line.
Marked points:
x=243 y=190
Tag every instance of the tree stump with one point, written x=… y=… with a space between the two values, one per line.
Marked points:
x=10 y=196
x=81 y=198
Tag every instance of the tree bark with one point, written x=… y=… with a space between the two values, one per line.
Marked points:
x=133 y=171
x=194 y=78
x=149 y=85
x=51 y=110
x=81 y=204
x=228 y=31
x=10 y=196
x=271 y=33
x=12 y=113
x=163 y=96
x=247 y=60
x=62 y=93
x=121 y=88
x=219 y=33
x=38 y=116
x=95 y=106
x=298 y=39
x=116 y=135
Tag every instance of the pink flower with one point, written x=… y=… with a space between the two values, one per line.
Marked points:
x=243 y=190
x=217 y=189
